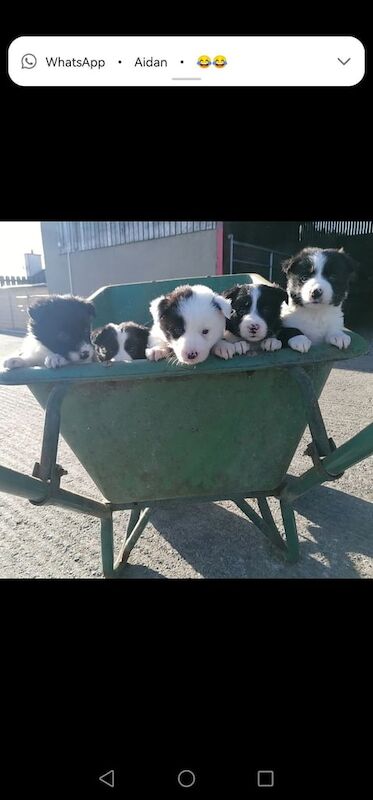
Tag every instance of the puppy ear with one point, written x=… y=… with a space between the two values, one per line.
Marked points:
x=105 y=340
x=98 y=336
x=224 y=304
x=353 y=267
x=155 y=309
x=282 y=294
x=286 y=265
x=231 y=293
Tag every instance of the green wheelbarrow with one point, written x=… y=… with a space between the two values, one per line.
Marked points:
x=150 y=433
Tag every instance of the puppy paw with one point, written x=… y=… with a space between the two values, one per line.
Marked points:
x=156 y=353
x=339 y=339
x=225 y=349
x=122 y=359
x=271 y=344
x=300 y=343
x=13 y=363
x=242 y=347
x=54 y=361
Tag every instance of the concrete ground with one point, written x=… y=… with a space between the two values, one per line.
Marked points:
x=335 y=521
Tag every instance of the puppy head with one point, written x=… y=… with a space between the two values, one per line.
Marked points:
x=192 y=319
x=319 y=277
x=62 y=323
x=106 y=341
x=255 y=310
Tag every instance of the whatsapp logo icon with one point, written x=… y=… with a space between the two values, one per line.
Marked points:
x=28 y=61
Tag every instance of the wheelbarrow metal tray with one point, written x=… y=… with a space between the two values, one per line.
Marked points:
x=151 y=431
x=185 y=436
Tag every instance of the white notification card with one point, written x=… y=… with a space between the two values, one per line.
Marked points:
x=186 y=61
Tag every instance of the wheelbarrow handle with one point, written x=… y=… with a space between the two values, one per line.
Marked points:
x=351 y=452
x=38 y=492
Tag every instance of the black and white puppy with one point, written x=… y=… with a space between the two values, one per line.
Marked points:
x=255 y=320
x=317 y=284
x=188 y=322
x=124 y=342
x=59 y=332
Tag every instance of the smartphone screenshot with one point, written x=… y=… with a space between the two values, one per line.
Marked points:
x=186 y=423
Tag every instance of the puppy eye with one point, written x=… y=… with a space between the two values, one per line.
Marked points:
x=304 y=278
x=205 y=331
x=177 y=332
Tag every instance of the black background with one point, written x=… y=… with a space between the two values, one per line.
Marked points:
x=151 y=677
x=232 y=153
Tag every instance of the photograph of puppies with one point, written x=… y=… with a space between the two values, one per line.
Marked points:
x=188 y=322
x=255 y=319
x=318 y=282
x=124 y=342
x=59 y=333
x=155 y=418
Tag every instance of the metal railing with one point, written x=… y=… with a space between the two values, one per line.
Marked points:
x=268 y=263
x=336 y=228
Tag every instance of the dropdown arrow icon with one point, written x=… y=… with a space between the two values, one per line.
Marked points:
x=344 y=62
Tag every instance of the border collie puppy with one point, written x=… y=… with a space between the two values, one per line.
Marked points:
x=256 y=318
x=59 y=331
x=317 y=284
x=188 y=322
x=124 y=342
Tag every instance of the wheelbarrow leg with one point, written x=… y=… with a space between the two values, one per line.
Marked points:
x=134 y=517
x=107 y=546
x=136 y=524
x=265 y=523
x=136 y=528
x=268 y=518
x=290 y=526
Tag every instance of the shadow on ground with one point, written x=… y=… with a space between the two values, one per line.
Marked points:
x=136 y=571
x=339 y=525
x=336 y=531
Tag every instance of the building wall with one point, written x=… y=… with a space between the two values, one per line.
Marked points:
x=56 y=265
x=185 y=255
x=14 y=301
x=76 y=236
x=33 y=264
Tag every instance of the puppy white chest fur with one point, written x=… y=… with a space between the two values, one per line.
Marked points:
x=122 y=336
x=318 y=322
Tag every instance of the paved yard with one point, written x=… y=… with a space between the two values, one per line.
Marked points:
x=335 y=521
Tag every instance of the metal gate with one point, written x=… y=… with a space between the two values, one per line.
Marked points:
x=251 y=255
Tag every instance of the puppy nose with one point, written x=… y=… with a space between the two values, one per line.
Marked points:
x=191 y=356
x=316 y=293
x=84 y=354
x=254 y=328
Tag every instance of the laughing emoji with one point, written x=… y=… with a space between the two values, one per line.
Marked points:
x=220 y=61
x=204 y=61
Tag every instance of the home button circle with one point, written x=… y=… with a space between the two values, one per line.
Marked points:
x=186 y=778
